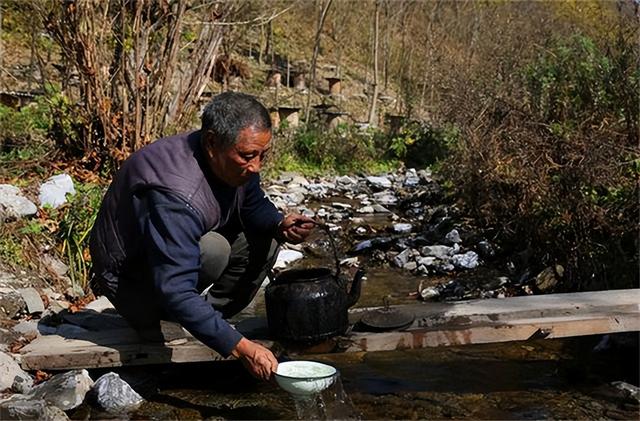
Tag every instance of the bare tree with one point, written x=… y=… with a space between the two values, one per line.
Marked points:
x=374 y=95
x=316 y=49
x=139 y=74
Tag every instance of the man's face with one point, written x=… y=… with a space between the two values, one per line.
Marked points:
x=237 y=163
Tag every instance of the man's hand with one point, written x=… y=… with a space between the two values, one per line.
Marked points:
x=258 y=360
x=295 y=228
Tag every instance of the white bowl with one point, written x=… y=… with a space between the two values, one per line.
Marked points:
x=305 y=377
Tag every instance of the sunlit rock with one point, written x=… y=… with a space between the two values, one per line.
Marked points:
x=13 y=204
x=12 y=376
x=53 y=192
x=114 y=395
x=468 y=260
x=65 y=390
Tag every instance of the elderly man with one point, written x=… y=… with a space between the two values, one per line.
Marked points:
x=185 y=232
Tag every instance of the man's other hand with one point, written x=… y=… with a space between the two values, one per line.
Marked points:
x=258 y=360
x=295 y=228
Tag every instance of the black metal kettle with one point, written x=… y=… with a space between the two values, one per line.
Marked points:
x=310 y=305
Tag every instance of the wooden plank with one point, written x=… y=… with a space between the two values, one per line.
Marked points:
x=436 y=324
x=493 y=332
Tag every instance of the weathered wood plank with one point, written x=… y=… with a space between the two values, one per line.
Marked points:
x=493 y=332
x=436 y=324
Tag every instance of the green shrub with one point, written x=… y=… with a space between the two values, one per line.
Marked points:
x=76 y=220
x=314 y=149
x=421 y=145
x=558 y=175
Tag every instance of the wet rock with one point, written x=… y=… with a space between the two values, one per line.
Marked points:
x=114 y=395
x=411 y=178
x=628 y=391
x=13 y=204
x=453 y=237
x=11 y=303
x=12 y=376
x=441 y=252
x=340 y=205
x=345 y=180
x=366 y=209
x=65 y=390
x=445 y=267
x=53 y=192
x=402 y=228
x=27 y=328
x=286 y=257
x=375 y=243
x=380 y=209
x=410 y=266
x=401 y=259
x=32 y=300
x=20 y=408
x=427 y=261
x=379 y=181
x=548 y=278
x=485 y=249
x=100 y=304
x=425 y=175
x=298 y=180
x=317 y=191
x=429 y=293
x=385 y=198
x=468 y=260
x=54 y=265
x=422 y=270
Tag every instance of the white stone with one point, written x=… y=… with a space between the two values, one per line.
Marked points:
x=12 y=376
x=402 y=258
x=20 y=407
x=32 y=299
x=100 y=304
x=453 y=237
x=441 y=252
x=53 y=192
x=114 y=395
x=380 y=209
x=366 y=209
x=379 y=181
x=286 y=257
x=66 y=390
x=402 y=228
x=468 y=260
x=13 y=204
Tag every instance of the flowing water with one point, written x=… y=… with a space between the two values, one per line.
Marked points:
x=543 y=379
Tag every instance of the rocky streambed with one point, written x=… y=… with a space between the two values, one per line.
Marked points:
x=414 y=243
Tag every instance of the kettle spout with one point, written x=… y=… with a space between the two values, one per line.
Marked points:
x=356 y=284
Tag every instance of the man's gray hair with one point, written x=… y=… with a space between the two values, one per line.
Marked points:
x=230 y=112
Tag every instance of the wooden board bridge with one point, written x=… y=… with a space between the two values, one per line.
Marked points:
x=435 y=324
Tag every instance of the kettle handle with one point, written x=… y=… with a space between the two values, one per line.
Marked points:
x=327 y=230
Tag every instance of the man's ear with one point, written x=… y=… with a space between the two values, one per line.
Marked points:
x=209 y=143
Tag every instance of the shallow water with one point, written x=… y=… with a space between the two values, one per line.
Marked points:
x=545 y=379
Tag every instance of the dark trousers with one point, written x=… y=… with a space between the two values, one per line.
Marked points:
x=232 y=269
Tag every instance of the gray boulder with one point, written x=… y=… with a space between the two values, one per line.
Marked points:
x=13 y=204
x=114 y=395
x=21 y=408
x=53 y=192
x=468 y=260
x=65 y=390
x=12 y=376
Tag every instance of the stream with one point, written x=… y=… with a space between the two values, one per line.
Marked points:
x=570 y=378
x=542 y=379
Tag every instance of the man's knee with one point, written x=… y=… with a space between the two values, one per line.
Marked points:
x=214 y=257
